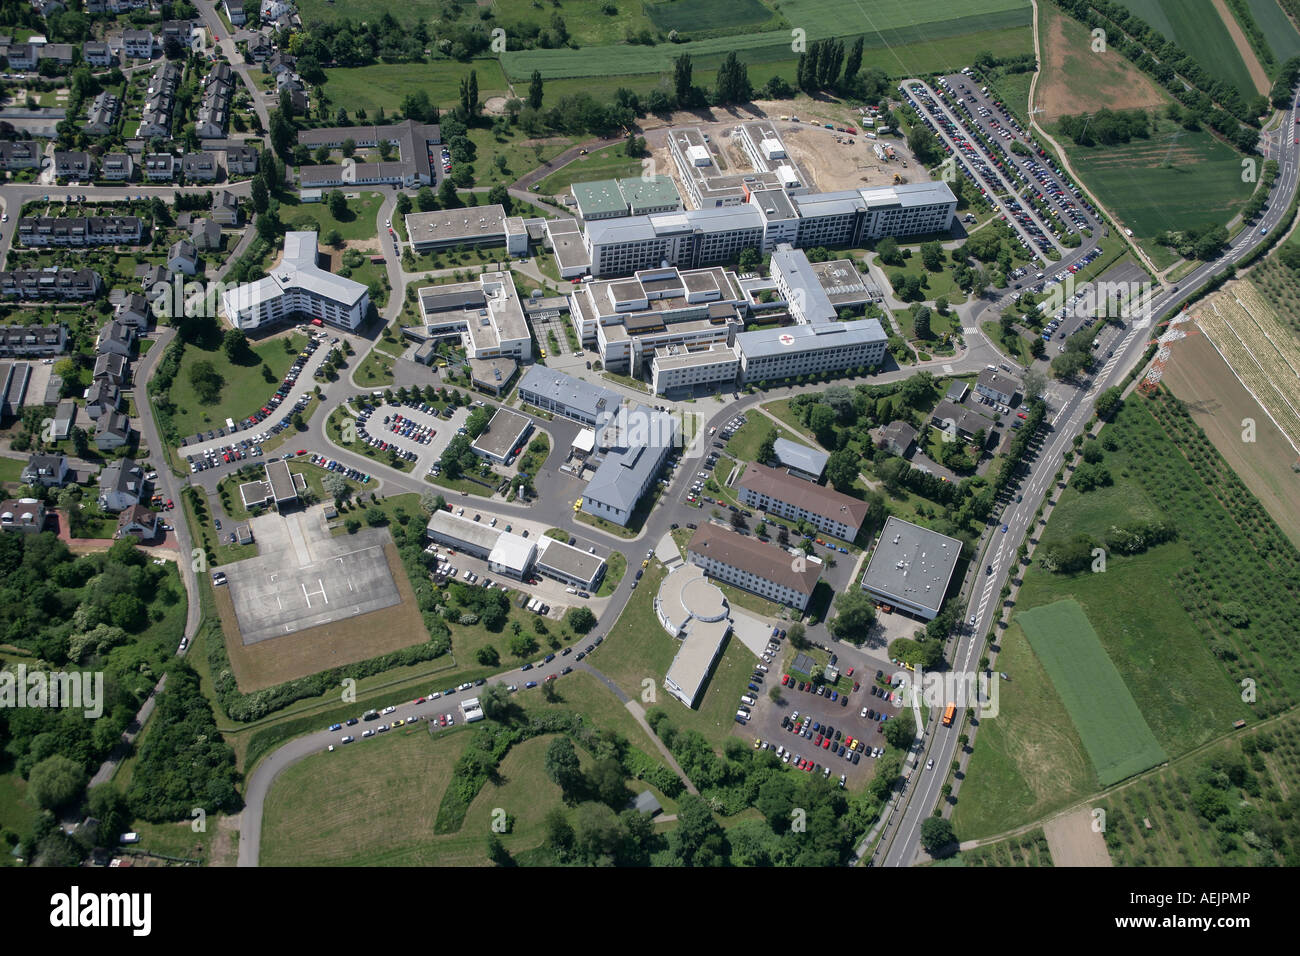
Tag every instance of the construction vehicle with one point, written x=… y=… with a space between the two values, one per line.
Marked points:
x=897 y=179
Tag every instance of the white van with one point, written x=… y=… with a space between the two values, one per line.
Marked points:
x=742 y=715
x=748 y=701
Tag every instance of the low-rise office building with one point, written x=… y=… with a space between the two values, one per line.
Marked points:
x=763 y=569
x=568 y=396
x=569 y=565
x=800 y=460
x=631 y=448
x=911 y=568
x=506 y=432
x=468 y=226
x=678 y=368
x=798 y=499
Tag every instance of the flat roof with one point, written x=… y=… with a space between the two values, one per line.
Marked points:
x=825 y=502
x=793 y=455
x=503 y=432
x=747 y=553
x=684 y=594
x=911 y=564
x=802 y=338
x=575 y=393
x=568 y=560
x=599 y=197
x=678 y=356
x=512 y=551
x=449 y=225
x=629 y=462
x=793 y=266
x=282 y=484
x=645 y=191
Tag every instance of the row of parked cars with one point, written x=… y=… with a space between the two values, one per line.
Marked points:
x=329 y=464
x=381 y=444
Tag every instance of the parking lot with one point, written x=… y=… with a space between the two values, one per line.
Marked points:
x=419 y=436
x=796 y=723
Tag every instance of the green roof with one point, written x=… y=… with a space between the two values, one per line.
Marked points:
x=649 y=192
x=599 y=197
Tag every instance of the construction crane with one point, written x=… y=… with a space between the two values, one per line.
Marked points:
x=1173 y=332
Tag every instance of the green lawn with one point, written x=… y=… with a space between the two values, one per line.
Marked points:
x=1279 y=32
x=744 y=443
x=11 y=469
x=607 y=163
x=615 y=568
x=1108 y=720
x=384 y=85
x=244 y=389
x=1015 y=346
x=522 y=154
x=935 y=284
x=359 y=223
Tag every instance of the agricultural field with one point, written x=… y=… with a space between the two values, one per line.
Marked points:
x=699 y=16
x=887 y=26
x=1250 y=336
x=1219 y=404
x=1076 y=79
x=1172 y=181
x=383 y=85
x=1279 y=32
x=1183 y=622
x=1280 y=284
x=1231 y=805
x=1108 y=720
x=1201 y=32
x=1030 y=849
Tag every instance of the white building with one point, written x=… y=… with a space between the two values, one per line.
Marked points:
x=680 y=369
x=631 y=447
x=297 y=286
x=486 y=313
x=568 y=396
x=764 y=569
x=778 y=353
x=911 y=568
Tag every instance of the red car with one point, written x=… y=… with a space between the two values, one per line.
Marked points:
x=170 y=504
x=552 y=677
x=785 y=680
x=418 y=700
x=826 y=744
x=302 y=451
x=1021 y=415
x=819 y=741
x=849 y=673
x=442 y=720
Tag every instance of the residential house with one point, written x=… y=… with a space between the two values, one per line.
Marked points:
x=61 y=284
x=997 y=387
x=225 y=209
x=48 y=471
x=20 y=154
x=112 y=368
x=104 y=110
x=102 y=398
x=134 y=310
x=160 y=167
x=182 y=30
x=73 y=165
x=259 y=49
x=898 y=438
x=22 y=514
x=205 y=234
x=160 y=100
x=65 y=418
x=200 y=167
x=22 y=56
x=24 y=341
x=121 y=485
x=97 y=53
x=117 y=167
x=275 y=9
x=112 y=430
x=298 y=100
x=138 y=44
x=39 y=231
x=281 y=62
x=116 y=337
x=61 y=53
x=241 y=160
x=183 y=257
x=235 y=12
x=137 y=521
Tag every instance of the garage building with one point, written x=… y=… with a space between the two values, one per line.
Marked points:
x=911 y=568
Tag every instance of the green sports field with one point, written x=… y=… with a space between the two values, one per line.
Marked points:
x=1201 y=32
x=1112 y=728
x=886 y=25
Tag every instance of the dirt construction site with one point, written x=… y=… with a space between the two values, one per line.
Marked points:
x=829 y=160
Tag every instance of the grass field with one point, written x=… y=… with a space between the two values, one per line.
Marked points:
x=1279 y=32
x=1199 y=30
x=1108 y=720
x=1154 y=614
x=244 y=388
x=1202 y=184
x=907 y=37
x=692 y=16
x=743 y=445
x=608 y=163
x=358 y=224
x=1029 y=849
x=521 y=153
x=384 y=85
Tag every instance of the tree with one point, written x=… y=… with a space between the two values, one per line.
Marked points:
x=523 y=645
x=580 y=619
x=842 y=470
x=900 y=732
x=488 y=656
x=338 y=204
x=921 y=322
x=821 y=419
x=261 y=199
x=55 y=782
x=497 y=852
x=698 y=839
x=110 y=807
x=1108 y=402
x=749 y=259
x=206 y=382
x=936 y=834
x=235 y=345
x=559 y=833
x=795 y=632
x=767 y=448
x=932 y=256
x=447 y=194
x=682 y=79
x=80 y=441
x=535 y=87
x=856 y=612
x=403 y=204
x=349 y=147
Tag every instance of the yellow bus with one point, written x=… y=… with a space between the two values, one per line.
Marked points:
x=948 y=714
